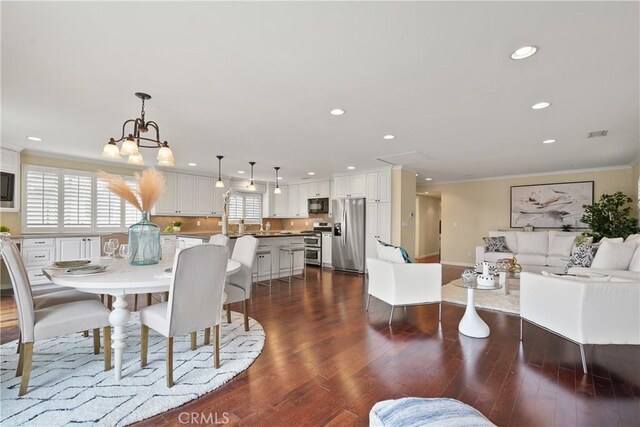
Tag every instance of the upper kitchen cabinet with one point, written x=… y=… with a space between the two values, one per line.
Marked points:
x=167 y=205
x=378 y=187
x=179 y=197
x=350 y=186
x=204 y=195
x=318 y=189
x=297 y=201
x=186 y=194
x=276 y=205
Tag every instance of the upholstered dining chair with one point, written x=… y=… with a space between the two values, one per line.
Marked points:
x=50 y=318
x=238 y=288
x=219 y=239
x=195 y=301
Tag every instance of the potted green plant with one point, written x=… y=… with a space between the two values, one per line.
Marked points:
x=610 y=217
x=4 y=229
x=176 y=225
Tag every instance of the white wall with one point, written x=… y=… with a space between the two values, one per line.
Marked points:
x=427 y=226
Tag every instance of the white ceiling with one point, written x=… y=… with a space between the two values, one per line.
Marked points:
x=256 y=81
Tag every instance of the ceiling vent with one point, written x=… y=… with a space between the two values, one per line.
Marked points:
x=597 y=134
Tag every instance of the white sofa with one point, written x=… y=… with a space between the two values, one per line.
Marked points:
x=400 y=284
x=534 y=250
x=585 y=312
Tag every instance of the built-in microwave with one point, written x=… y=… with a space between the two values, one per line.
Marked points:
x=7 y=186
x=319 y=206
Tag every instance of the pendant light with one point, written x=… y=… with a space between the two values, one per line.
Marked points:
x=252 y=185
x=219 y=183
x=277 y=189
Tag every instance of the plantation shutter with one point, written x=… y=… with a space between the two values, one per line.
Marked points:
x=108 y=206
x=41 y=198
x=252 y=207
x=77 y=190
x=131 y=214
x=236 y=206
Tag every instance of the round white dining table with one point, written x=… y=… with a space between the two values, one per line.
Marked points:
x=119 y=280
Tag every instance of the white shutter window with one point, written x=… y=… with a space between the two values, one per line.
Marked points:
x=108 y=207
x=41 y=198
x=236 y=206
x=252 y=208
x=131 y=214
x=77 y=191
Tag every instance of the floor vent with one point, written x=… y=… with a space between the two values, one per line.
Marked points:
x=597 y=133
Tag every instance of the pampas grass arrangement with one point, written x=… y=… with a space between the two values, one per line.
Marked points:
x=150 y=188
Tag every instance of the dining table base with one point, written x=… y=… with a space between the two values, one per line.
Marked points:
x=119 y=318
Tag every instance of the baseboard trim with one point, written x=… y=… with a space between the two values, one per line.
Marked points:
x=428 y=255
x=457 y=264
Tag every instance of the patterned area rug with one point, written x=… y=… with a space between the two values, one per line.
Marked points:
x=489 y=300
x=68 y=385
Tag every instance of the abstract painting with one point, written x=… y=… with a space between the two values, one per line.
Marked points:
x=550 y=205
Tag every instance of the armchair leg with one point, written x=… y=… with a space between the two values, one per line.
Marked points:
x=228 y=314
x=96 y=341
x=584 y=359
x=20 y=361
x=170 y=362
x=391 y=315
x=521 y=329
x=246 y=315
x=107 y=348
x=207 y=336
x=368 y=301
x=144 y=344
x=216 y=346
x=440 y=312
x=26 y=354
x=194 y=340
x=110 y=302
x=19 y=344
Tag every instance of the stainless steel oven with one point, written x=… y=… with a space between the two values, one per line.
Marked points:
x=313 y=249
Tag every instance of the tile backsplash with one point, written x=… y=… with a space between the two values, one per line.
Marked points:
x=190 y=223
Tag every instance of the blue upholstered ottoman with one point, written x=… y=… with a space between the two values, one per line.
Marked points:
x=415 y=411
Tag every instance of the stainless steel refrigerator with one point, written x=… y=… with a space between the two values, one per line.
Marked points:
x=348 y=240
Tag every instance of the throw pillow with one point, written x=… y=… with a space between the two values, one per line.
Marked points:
x=634 y=265
x=633 y=238
x=583 y=257
x=495 y=244
x=580 y=240
x=611 y=239
x=533 y=242
x=396 y=254
x=561 y=245
x=613 y=256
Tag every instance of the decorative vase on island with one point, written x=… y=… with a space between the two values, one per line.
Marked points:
x=225 y=225
x=144 y=240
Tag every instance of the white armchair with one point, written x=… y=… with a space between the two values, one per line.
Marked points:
x=404 y=284
x=586 y=312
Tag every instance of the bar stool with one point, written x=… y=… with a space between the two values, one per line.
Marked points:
x=291 y=250
x=260 y=253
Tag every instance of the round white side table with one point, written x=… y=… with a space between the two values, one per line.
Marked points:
x=472 y=324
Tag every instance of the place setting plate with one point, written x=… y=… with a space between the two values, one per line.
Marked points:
x=71 y=264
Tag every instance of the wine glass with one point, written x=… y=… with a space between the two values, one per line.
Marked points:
x=115 y=244
x=108 y=248
x=125 y=251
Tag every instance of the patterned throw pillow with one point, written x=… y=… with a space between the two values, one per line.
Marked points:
x=583 y=256
x=495 y=244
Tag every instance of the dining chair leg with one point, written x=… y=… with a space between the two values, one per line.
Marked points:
x=110 y=302
x=107 y=348
x=170 y=362
x=216 y=346
x=148 y=300
x=246 y=315
x=102 y=298
x=135 y=302
x=96 y=341
x=194 y=340
x=144 y=344
x=27 y=354
x=368 y=301
x=228 y=314
x=85 y=334
x=207 y=336
x=391 y=315
x=19 y=344
x=20 y=361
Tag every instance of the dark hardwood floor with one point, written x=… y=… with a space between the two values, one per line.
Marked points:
x=326 y=362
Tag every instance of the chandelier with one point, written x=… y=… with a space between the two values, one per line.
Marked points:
x=135 y=140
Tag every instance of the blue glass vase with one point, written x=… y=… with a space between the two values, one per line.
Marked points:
x=144 y=239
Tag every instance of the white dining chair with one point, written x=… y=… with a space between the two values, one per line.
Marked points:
x=219 y=239
x=195 y=301
x=49 y=320
x=238 y=288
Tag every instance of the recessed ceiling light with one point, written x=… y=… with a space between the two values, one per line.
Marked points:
x=524 y=52
x=548 y=141
x=351 y=167
x=389 y=136
x=541 y=105
x=337 y=112
x=192 y=164
x=428 y=179
x=240 y=171
x=311 y=173
x=416 y=174
x=34 y=138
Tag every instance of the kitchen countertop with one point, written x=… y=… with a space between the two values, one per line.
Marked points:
x=259 y=235
x=187 y=234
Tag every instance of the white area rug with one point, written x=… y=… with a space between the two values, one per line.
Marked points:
x=68 y=385
x=489 y=300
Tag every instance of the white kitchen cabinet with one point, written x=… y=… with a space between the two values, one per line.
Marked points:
x=297 y=201
x=378 y=226
x=37 y=253
x=191 y=241
x=261 y=267
x=276 y=205
x=167 y=205
x=186 y=194
x=326 y=248
x=303 y=201
x=10 y=163
x=378 y=187
x=350 y=186
x=72 y=248
x=318 y=189
x=204 y=195
x=179 y=197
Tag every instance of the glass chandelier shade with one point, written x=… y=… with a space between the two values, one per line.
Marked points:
x=136 y=159
x=110 y=150
x=129 y=147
